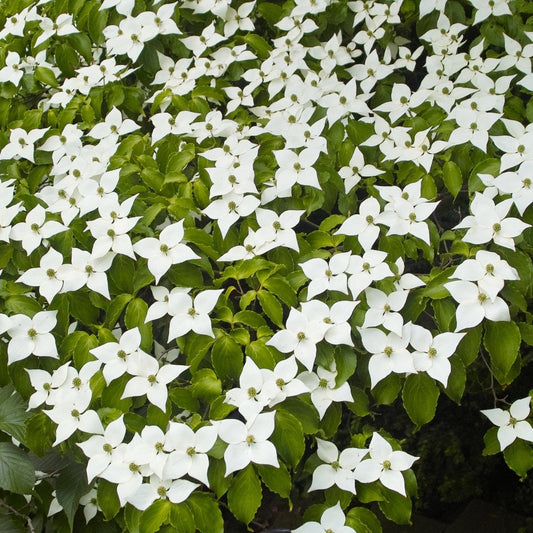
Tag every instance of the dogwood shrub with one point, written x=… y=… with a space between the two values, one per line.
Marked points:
x=231 y=232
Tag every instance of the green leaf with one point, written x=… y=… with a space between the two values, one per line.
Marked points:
x=245 y=495
x=40 y=433
x=502 y=341
x=492 y=444
x=46 y=76
x=205 y=384
x=456 y=380
x=387 y=390
x=468 y=348
x=258 y=44
x=132 y=517
x=23 y=305
x=452 y=177
x=16 y=470
x=71 y=485
x=207 y=515
x=12 y=413
x=519 y=457
x=271 y=307
x=115 y=309
x=261 y=354
x=182 y=519
x=304 y=412
x=218 y=481
x=277 y=479
x=396 y=507
x=420 y=395
x=108 y=499
x=288 y=437
x=281 y=288
x=155 y=516
x=363 y=520
x=134 y=318
x=227 y=358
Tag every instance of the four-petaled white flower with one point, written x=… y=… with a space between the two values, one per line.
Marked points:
x=384 y=464
x=248 y=443
x=512 y=424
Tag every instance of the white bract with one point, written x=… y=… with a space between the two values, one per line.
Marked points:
x=512 y=424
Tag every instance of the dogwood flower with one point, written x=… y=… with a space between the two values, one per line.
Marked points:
x=332 y=520
x=383 y=309
x=384 y=464
x=188 y=314
x=32 y=336
x=99 y=448
x=324 y=389
x=165 y=251
x=150 y=379
x=47 y=276
x=488 y=222
x=432 y=353
x=338 y=468
x=475 y=305
x=248 y=443
x=22 y=144
x=389 y=353
x=301 y=336
x=488 y=269
x=188 y=451
x=327 y=275
x=512 y=424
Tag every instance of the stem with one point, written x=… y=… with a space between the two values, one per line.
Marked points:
x=20 y=515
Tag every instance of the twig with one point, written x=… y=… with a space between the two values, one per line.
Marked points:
x=20 y=515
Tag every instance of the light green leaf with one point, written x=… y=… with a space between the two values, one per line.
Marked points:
x=155 y=516
x=207 y=515
x=277 y=479
x=245 y=495
x=271 y=307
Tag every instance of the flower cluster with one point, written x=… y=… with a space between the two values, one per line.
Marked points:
x=229 y=227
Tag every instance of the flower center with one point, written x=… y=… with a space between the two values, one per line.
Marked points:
x=107 y=448
x=32 y=333
x=387 y=351
x=497 y=227
x=300 y=336
x=252 y=392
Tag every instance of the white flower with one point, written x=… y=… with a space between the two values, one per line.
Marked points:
x=475 y=305
x=512 y=424
x=150 y=379
x=383 y=309
x=332 y=520
x=432 y=353
x=327 y=275
x=99 y=448
x=247 y=443
x=188 y=314
x=46 y=276
x=188 y=451
x=338 y=468
x=364 y=224
x=21 y=144
x=32 y=336
x=301 y=336
x=384 y=464
x=389 y=353
x=324 y=389
x=488 y=222
x=489 y=270
x=165 y=251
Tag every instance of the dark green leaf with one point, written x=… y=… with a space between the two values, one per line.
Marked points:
x=420 y=395
x=288 y=437
x=16 y=470
x=71 y=485
x=502 y=341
